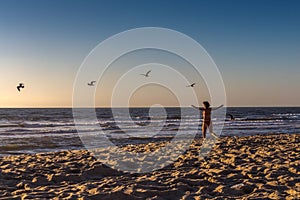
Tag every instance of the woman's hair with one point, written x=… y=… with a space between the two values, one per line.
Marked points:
x=206 y=104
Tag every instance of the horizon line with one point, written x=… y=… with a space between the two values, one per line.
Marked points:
x=69 y=107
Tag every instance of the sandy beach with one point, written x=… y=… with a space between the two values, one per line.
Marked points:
x=253 y=167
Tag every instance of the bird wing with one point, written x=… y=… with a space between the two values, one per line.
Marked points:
x=18 y=87
x=230 y=115
x=191 y=85
x=93 y=82
x=148 y=72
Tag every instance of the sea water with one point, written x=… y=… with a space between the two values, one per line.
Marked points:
x=33 y=130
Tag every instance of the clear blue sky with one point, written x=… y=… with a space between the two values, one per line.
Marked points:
x=255 y=44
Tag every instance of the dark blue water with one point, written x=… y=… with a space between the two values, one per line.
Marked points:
x=40 y=130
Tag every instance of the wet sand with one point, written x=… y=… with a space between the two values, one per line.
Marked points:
x=255 y=167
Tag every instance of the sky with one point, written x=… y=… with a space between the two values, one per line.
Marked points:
x=255 y=45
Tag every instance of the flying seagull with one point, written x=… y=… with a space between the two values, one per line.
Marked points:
x=21 y=85
x=92 y=83
x=147 y=74
x=192 y=85
x=231 y=116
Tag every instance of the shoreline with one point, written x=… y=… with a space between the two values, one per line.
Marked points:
x=259 y=166
x=10 y=150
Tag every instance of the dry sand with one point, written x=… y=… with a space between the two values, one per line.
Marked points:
x=255 y=167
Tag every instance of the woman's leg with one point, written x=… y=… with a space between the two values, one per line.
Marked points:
x=204 y=127
x=210 y=127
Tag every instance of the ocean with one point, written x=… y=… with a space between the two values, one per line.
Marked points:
x=34 y=130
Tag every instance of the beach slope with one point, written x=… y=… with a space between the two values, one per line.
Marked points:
x=254 y=167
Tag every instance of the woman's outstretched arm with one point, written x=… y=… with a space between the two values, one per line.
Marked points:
x=215 y=108
x=198 y=108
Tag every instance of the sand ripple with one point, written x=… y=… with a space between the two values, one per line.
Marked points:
x=256 y=167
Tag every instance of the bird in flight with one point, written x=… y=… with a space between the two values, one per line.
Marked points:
x=21 y=85
x=231 y=116
x=191 y=85
x=92 y=83
x=147 y=74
